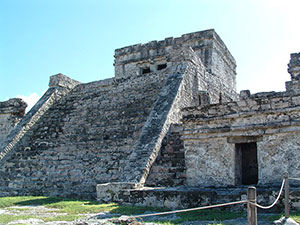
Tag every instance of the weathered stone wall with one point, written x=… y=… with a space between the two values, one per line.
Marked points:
x=110 y=131
x=269 y=119
x=11 y=112
x=293 y=86
x=190 y=197
x=82 y=139
x=180 y=90
x=168 y=170
x=53 y=94
x=219 y=63
x=177 y=93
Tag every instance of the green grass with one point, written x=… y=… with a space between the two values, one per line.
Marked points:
x=5 y=218
x=296 y=216
x=62 y=218
x=17 y=209
x=203 y=215
x=70 y=210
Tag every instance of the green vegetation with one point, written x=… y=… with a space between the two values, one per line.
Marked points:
x=296 y=216
x=5 y=218
x=207 y=215
x=69 y=217
x=60 y=209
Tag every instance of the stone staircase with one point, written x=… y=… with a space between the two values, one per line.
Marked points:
x=168 y=170
x=83 y=139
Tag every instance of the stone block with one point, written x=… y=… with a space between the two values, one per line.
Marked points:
x=60 y=80
x=244 y=94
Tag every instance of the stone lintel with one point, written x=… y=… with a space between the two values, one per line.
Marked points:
x=244 y=139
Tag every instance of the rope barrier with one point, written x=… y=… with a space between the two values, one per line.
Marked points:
x=270 y=206
x=219 y=205
x=291 y=178
x=192 y=209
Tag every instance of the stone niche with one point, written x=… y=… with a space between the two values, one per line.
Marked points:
x=11 y=112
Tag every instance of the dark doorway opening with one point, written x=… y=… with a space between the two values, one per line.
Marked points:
x=246 y=163
x=146 y=70
x=161 y=66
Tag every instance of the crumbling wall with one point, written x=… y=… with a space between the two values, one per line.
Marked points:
x=11 y=112
x=219 y=64
x=59 y=86
x=180 y=90
x=168 y=170
x=83 y=139
x=294 y=70
x=211 y=132
x=110 y=131
x=270 y=120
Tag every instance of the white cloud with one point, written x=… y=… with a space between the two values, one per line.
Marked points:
x=30 y=99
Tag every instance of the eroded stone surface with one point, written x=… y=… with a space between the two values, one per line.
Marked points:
x=11 y=112
x=113 y=132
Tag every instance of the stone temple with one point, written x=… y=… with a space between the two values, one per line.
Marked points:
x=168 y=130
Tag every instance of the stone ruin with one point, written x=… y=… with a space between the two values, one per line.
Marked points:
x=11 y=111
x=168 y=130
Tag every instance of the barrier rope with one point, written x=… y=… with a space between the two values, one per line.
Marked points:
x=192 y=209
x=218 y=205
x=270 y=206
x=291 y=178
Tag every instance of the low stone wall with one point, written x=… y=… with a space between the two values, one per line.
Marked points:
x=188 y=197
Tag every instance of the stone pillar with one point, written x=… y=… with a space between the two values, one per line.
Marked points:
x=294 y=71
x=294 y=66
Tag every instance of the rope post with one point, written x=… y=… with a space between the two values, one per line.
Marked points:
x=252 y=210
x=286 y=195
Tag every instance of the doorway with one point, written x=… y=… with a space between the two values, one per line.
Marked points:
x=246 y=163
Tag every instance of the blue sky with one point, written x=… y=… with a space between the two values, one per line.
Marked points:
x=39 y=38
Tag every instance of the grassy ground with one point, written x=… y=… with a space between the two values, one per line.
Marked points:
x=58 y=209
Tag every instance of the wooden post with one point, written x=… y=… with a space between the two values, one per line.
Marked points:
x=286 y=196
x=252 y=210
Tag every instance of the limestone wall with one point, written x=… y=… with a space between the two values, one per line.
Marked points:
x=11 y=112
x=180 y=90
x=209 y=47
x=111 y=131
x=59 y=86
x=168 y=170
x=211 y=133
x=83 y=139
